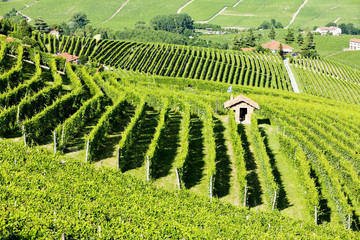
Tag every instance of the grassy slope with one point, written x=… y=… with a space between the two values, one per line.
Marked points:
x=251 y=13
x=205 y=9
x=64 y=9
x=248 y=13
x=350 y=58
x=321 y=12
x=18 y=5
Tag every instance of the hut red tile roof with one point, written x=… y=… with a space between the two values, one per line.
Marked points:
x=54 y=31
x=276 y=45
x=355 y=40
x=9 y=40
x=68 y=57
x=239 y=99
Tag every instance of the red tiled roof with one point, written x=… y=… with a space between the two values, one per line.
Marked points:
x=332 y=28
x=239 y=99
x=248 y=49
x=355 y=40
x=276 y=46
x=9 y=40
x=53 y=32
x=68 y=57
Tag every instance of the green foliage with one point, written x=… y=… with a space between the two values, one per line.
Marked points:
x=41 y=26
x=176 y=23
x=272 y=34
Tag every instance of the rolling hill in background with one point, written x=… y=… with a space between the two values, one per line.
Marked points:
x=227 y=13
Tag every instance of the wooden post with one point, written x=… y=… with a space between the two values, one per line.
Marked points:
x=63 y=236
x=349 y=222
x=87 y=150
x=211 y=188
x=24 y=134
x=99 y=231
x=118 y=157
x=178 y=178
x=15 y=204
x=54 y=142
x=147 y=168
x=18 y=114
x=245 y=195
x=316 y=215
x=62 y=136
x=216 y=109
x=273 y=206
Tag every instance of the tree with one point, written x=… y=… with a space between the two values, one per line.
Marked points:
x=41 y=26
x=24 y=29
x=176 y=23
x=272 y=33
x=251 y=39
x=279 y=25
x=330 y=24
x=300 y=39
x=309 y=43
x=80 y=20
x=5 y=26
x=281 y=50
x=265 y=25
x=289 y=37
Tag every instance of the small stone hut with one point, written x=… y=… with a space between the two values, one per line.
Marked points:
x=243 y=107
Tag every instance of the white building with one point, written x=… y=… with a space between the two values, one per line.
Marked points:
x=55 y=33
x=335 y=31
x=354 y=44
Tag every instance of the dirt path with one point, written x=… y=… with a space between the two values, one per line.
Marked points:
x=180 y=9
x=28 y=19
x=336 y=20
x=218 y=13
x=295 y=14
x=117 y=11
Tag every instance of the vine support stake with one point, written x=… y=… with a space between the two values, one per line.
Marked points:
x=211 y=188
x=316 y=215
x=63 y=236
x=87 y=150
x=147 y=168
x=274 y=202
x=178 y=178
x=349 y=222
x=54 y=143
x=62 y=135
x=245 y=195
x=18 y=114
x=24 y=134
x=118 y=157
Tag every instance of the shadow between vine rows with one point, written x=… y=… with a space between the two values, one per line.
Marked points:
x=194 y=163
x=254 y=188
x=283 y=201
x=142 y=139
x=168 y=147
x=223 y=163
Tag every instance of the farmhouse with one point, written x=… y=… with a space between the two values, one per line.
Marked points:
x=54 y=32
x=354 y=44
x=69 y=58
x=335 y=31
x=275 y=47
x=243 y=108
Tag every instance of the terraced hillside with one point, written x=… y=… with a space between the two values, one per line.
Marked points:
x=174 y=133
x=233 y=67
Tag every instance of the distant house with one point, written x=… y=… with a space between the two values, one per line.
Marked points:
x=243 y=108
x=69 y=58
x=54 y=32
x=335 y=31
x=275 y=47
x=9 y=40
x=248 y=49
x=354 y=44
x=97 y=37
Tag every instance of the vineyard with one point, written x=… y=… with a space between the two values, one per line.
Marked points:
x=166 y=128
x=233 y=67
x=327 y=78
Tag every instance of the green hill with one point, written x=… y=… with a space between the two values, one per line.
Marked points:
x=246 y=13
